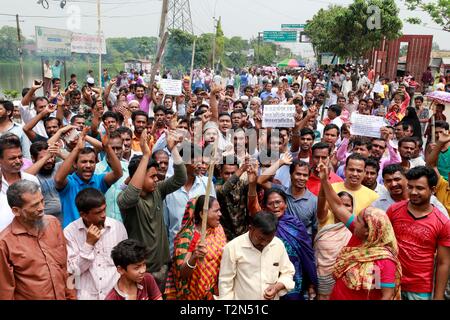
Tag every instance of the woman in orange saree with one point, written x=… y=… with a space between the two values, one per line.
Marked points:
x=195 y=265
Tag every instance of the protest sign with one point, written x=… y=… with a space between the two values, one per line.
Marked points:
x=378 y=88
x=366 y=126
x=278 y=116
x=85 y=43
x=171 y=87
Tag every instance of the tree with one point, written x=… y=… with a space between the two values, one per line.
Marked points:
x=9 y=44
x=439 y=11
x=349 y=32
x=178 y=51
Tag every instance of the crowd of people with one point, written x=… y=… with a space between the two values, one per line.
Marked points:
x=119 y=191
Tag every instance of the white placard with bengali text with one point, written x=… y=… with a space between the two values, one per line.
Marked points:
x=86 y=43
x=171 y=87
x=366 y=126
x=278 y=116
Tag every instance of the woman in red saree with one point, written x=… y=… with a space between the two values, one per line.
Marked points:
x=195 y=265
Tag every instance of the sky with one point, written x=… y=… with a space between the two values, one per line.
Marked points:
x=244 y=18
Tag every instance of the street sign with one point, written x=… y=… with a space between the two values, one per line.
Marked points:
x=280 y=36
x=292 y=27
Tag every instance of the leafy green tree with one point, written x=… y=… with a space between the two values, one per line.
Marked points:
x=438 y=10
x=351 y=31
x=178 y=50
x=9 y=44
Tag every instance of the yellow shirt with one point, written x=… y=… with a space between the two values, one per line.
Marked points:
x=362 y=198
x=443 y=193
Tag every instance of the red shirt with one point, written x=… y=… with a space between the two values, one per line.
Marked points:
x=313 y=183
x=418 y=239
x=147 y=290
x=387 y=276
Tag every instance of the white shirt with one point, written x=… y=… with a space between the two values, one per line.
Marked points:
x=94 y=271
x=416 y=162
x=6 y=214
x=245 y=272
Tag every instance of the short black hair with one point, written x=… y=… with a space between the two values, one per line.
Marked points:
x=393 y=168
x=134 y=164
x=9 y=141
x=405 y=140
x=442 y=124
x=363 y=142
x=48 y=119
x=371 y=162
x=88 y=199
x=336 y=109
x=423 y=171
x=123 y=130
x=418 y=98
x=138 y=113
x=77 y=116
x=321 y=145
x=265 y=221
x=86 y=150
x=405 y=126
x=37 y=147
x=224 y=114
x=158 y=108
x=297 y=163
x=331 y=126
x=355 y=156
x=307 y=131
x=129 y=251
x=110 y=114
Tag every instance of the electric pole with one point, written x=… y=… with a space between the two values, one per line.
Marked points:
x=214 y=43
x=19 y=38
x=99 y=26
x=162 y=24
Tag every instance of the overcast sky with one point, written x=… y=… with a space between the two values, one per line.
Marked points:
x=243 y=18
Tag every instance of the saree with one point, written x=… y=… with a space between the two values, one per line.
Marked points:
x=299 y=248
x=327 y=244
x=204 y=279
x=355 y=265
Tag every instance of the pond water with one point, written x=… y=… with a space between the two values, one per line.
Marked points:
x=10 y=78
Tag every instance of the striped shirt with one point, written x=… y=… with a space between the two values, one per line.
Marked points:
x=93 y=270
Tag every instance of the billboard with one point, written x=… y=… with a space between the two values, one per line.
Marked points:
x=52 y=42
x=85 y=43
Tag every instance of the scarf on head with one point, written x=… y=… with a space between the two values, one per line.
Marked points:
x=355 y=265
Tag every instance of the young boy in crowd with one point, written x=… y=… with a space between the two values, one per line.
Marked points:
x=129 y=257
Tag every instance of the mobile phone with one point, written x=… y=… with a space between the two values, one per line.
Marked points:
x=37 y=82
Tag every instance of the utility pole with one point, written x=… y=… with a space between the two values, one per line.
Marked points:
x=162 y=24
x=192 y=63
x=214 y=44
x=163 y=35
x=257 y=48
x=19 y=38
x=99 y=47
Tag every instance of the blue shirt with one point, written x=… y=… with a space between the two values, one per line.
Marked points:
x=265 y=94
x=70 y=191
x=56 y=71
x=112 y=209
x=304 y=208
